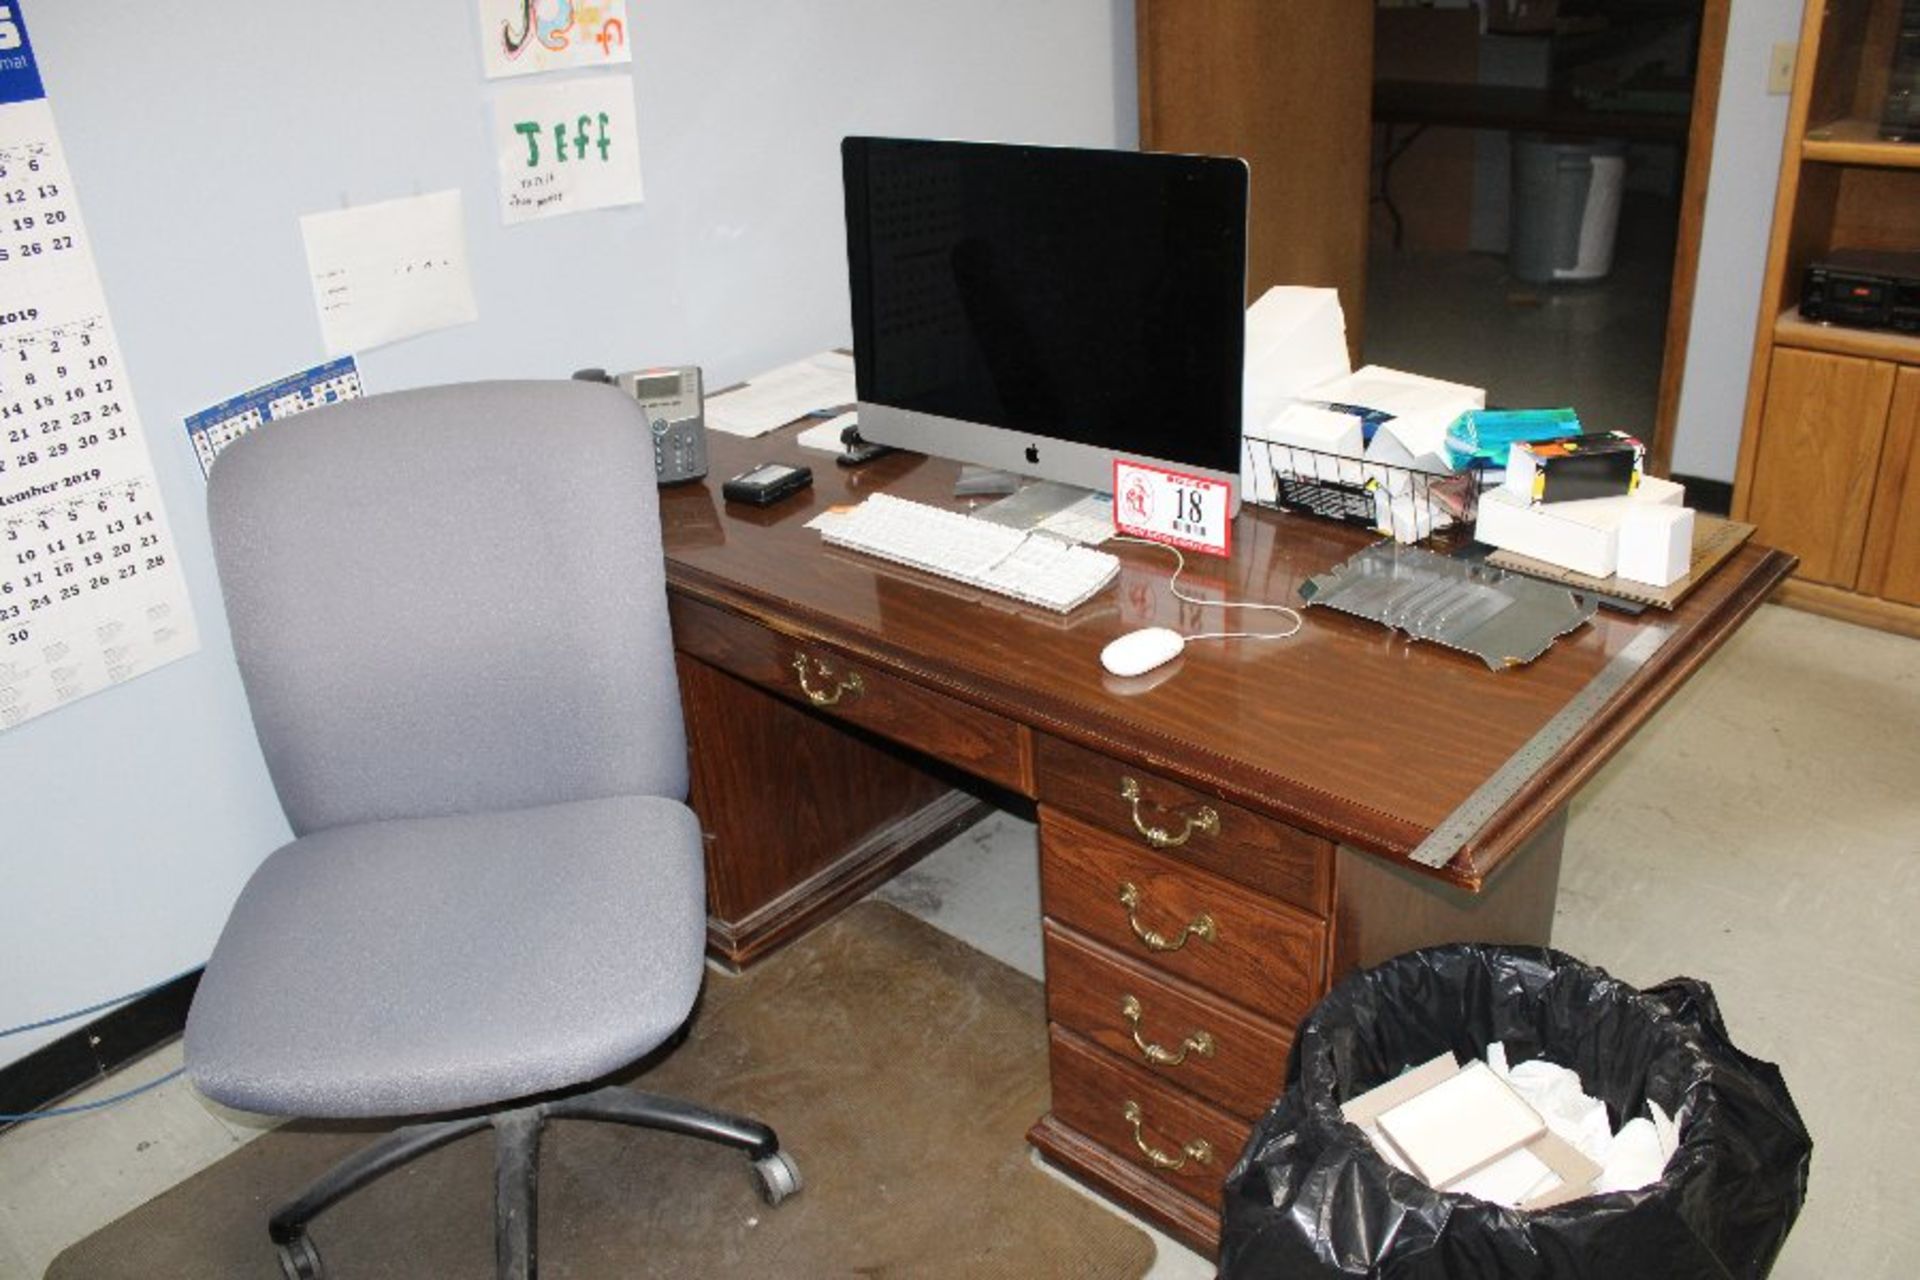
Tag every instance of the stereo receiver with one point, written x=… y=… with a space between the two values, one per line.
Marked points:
x=1868 y=288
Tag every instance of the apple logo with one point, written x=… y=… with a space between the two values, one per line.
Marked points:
x=1033 y=453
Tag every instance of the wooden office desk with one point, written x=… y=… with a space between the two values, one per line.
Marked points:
x=833 y=701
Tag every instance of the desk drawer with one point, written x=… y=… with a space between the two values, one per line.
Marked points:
x=1174 y=918
x=819 y=676
x=1156 y=1024
x=1270 y=856
x=1170 y=1029
x=1170 y=1134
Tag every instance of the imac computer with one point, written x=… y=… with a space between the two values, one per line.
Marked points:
x=1046 y=310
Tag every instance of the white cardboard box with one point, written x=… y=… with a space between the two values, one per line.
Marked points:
x=1422 y=407
x=1656 y=544
x=1547 y=533
x=1582 y=536
x=1461 y=1124
x=1543 y=1172
x=1308 y=426
x=1366 y=1108
x=1296 y=337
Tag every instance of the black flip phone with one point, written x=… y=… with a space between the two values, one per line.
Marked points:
x=766 y=484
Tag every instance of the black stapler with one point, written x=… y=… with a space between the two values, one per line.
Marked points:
x=855 y=450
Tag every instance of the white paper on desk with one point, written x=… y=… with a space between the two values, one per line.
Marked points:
x=826 y=436
x=566 y=146
x=777 y=397
x=518 y=38
x=387 y=271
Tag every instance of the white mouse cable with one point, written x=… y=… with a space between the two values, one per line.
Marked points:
x=1173 y=586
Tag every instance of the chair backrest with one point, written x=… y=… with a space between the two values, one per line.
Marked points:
x=451 y=600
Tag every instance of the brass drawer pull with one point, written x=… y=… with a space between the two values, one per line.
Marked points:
x=1202 y=926
x=1204 y=819
x=1199 y=1042
x=1198 y=1151
x=847 y=685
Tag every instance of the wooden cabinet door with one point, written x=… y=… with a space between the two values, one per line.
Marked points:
x=1813 y=475
x=1891 y=567
x=1287 y=85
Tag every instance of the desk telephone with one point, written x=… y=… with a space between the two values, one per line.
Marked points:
x=672 y=400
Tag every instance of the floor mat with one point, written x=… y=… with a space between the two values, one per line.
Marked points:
x=900 y=1067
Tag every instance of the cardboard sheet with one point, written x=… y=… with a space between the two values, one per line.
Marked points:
x=1467 y=1121
x=1714 y=539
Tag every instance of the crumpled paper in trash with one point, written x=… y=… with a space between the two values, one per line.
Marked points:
x=1632 y=1158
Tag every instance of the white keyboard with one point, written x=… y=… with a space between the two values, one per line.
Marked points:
x=1032 y=567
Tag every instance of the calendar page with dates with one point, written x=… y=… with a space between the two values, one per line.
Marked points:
x=91 y=592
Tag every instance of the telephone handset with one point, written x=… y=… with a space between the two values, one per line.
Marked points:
x=671 y=398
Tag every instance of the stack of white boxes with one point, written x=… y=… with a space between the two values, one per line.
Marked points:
x=1643 y=536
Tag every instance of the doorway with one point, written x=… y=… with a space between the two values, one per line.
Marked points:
x=1292 y=88
x=1447 y=294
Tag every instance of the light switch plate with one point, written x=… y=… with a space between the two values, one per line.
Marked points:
x=1780 y=68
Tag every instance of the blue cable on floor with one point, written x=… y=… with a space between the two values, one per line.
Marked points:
x=93 y=1008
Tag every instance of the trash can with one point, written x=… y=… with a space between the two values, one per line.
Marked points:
x=1566 y=207
x=1310 y=1196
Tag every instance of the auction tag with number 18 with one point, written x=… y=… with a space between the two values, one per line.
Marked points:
x=1172 y=507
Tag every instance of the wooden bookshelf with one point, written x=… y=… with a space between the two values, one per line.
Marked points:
x=1829 y=463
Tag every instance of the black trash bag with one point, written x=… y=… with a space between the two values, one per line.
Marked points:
x=1310 y=1196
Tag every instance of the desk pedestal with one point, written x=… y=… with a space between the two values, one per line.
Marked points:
x=1186 y=937
x=801 y=818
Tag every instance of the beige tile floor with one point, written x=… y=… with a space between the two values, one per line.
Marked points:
x=1765 y=836
x=1595 y=346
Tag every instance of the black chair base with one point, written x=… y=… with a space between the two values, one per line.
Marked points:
x=517 y=1166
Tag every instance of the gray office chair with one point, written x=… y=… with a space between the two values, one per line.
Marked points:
x=449 y=611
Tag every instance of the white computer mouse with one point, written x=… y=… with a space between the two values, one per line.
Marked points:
x=1139 y=652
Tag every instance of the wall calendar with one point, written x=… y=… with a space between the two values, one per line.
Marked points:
x=91 y=592
x=212 y=430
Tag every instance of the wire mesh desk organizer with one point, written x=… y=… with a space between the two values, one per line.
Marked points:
x=1504 y=619
x=1405 y=503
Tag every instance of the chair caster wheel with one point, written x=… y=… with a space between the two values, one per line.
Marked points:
x=777 y=1177
x=299 y=1260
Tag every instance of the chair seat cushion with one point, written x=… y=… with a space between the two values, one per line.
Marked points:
x=436 y=964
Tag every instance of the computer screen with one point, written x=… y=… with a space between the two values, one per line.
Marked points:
x=1045 y=310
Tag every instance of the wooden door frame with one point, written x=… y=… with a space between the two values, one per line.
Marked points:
x=1708 y=66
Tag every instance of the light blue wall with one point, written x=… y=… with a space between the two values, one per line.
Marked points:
x=1748 y=133
x=129 y=820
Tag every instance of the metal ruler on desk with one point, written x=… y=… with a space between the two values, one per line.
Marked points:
x=1465 y=822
